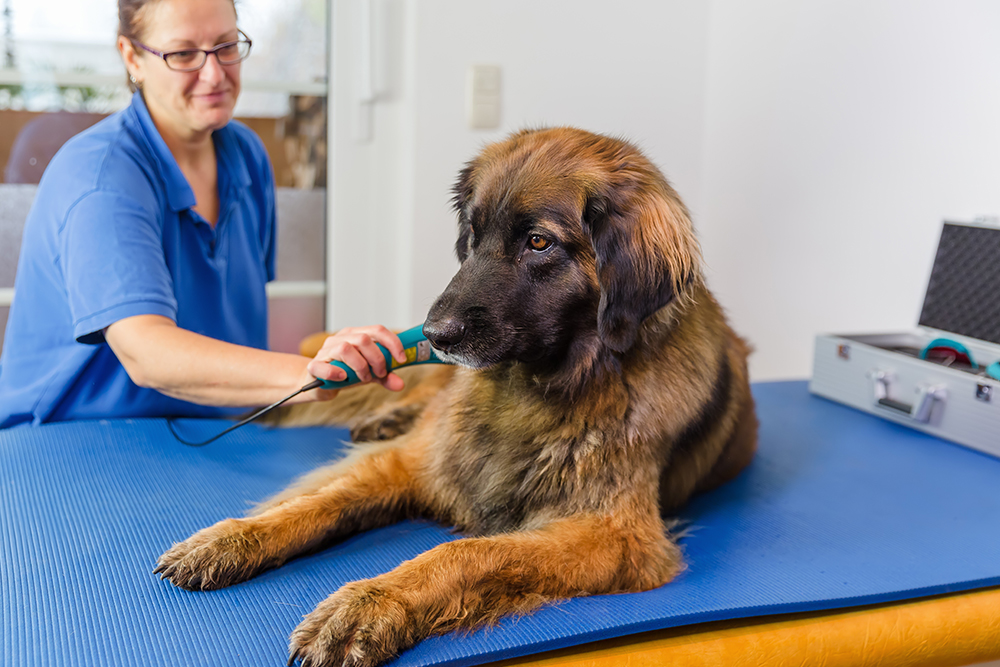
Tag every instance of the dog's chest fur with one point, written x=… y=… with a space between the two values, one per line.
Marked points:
x=496 y=473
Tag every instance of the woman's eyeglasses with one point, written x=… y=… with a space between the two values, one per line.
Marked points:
x=190 y=60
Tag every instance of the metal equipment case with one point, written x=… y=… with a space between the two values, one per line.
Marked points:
x=885 y=374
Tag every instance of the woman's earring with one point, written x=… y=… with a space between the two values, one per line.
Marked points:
x=131 y=77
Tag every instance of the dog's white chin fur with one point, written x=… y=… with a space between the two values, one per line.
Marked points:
x=461 y=360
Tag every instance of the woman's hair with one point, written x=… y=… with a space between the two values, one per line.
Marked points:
x=131 y=14
x=130 y=17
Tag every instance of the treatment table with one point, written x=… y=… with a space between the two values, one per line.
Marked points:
x=849 y=540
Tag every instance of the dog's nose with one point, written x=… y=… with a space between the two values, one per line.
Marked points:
x=445 y=333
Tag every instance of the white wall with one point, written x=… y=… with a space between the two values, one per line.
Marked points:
x=631 y=67
x=839 y=134
x=819 y=145
x=370 y=208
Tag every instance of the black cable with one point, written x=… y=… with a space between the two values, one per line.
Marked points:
x=170 y=420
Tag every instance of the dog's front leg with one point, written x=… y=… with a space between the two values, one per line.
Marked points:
x=376 y=490
x=476 y=581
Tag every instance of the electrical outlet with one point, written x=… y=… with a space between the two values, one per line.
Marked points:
x=482 y=96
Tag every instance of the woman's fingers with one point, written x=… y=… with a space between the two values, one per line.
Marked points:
x=390 y=341
x=376 y=334
x=392 y=382
x=356 y=347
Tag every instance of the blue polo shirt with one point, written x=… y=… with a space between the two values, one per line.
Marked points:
x=112 y=234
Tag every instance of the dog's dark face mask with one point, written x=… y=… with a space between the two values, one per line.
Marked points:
x=523 y=292
x=559 y=247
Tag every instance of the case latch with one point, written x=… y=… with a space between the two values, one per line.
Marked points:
x=920 y=410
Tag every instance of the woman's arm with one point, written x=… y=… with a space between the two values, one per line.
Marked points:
x=158 y=354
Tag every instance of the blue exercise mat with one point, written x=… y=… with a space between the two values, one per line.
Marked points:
x=838 y=509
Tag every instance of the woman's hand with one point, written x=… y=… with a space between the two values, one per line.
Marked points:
x=356 y=347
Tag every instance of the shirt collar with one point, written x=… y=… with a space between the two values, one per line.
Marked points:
x=231 y=160
x=232 y=170
x=180 y=196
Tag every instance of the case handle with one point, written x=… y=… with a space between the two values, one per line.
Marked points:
x=920 y=410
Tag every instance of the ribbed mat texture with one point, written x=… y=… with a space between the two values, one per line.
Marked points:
x=838 y=509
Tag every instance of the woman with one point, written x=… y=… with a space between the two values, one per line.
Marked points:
x=140 y=286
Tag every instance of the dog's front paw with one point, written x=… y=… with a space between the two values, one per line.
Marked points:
x=218 y=556
x=363 y=624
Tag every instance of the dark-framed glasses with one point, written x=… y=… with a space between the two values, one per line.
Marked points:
x=190 y=60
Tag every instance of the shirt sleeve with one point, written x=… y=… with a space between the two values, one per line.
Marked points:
x=113 y=264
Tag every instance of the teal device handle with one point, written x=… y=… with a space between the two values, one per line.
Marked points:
x=418 y=351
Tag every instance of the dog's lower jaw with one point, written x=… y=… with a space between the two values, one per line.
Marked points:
x=589 y=364
x=464 y=360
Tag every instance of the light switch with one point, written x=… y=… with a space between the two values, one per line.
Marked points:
x=482 y=97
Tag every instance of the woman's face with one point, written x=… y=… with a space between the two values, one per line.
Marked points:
x=186 y=104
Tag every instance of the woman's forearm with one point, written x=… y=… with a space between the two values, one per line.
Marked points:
x=156 y=353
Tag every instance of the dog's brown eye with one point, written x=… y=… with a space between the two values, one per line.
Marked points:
x=539 y=242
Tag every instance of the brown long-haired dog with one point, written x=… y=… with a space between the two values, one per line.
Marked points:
x=598 y=387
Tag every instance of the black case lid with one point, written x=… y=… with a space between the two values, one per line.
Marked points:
x=963 y=294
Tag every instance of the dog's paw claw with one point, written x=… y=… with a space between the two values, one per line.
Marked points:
x=216 y=557
x=364 y=624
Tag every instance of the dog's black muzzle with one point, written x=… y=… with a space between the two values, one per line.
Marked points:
x=467 y=320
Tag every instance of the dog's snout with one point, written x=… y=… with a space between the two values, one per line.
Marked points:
x=446 y=333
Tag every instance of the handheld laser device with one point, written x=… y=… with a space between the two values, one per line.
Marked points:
x=418 y=351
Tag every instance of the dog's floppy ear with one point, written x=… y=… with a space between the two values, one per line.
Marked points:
x=646 y=254
x=461 y=193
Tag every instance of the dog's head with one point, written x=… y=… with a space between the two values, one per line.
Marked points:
x=564 y=236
